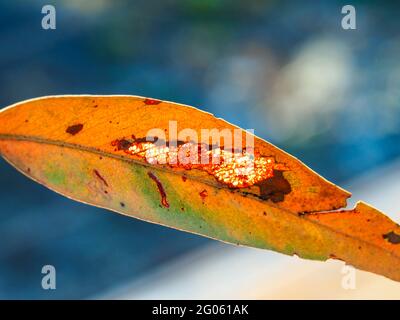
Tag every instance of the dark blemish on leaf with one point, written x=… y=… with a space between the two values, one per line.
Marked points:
x=122 y=144
x=100 y=177
x=105 y=191
x=392 y=237
x=184 y=178
x=74 y=129
x=95 y=106
x=26 y=121
x=147 y=139
x=110 y=121
x=333 y=256
x=101 y=158
x=152 y=102
x=182 y=209
x=269 y=177
x=122 y=204
x=160 y=187
x=203 y=194
x=29 y=170
x=274 y=188
x=264 y=213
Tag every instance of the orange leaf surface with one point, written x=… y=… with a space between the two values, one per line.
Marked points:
x=95 y=149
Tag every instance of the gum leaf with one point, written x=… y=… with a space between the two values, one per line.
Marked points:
x=94 y=149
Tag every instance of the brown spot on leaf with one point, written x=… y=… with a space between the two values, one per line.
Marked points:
x=184 y=178
x=160 y=187
x=203 y=194
x=392 y=237
x=274 y=188
x=149 y=101
x=122 y=204
x=146 y=139
x=100 y=177
x=122 y=144
x=333 y=256
x=74 y=129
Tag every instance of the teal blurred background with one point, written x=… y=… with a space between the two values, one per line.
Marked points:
x=329 y=96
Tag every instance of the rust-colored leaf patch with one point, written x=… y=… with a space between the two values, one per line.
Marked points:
x=392 y=237
x=203 y=194
x=74 y=129
x=160 y=187
x=100 y=177
x=153 y=102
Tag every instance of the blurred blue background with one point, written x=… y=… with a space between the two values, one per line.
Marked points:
x=285 y=68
